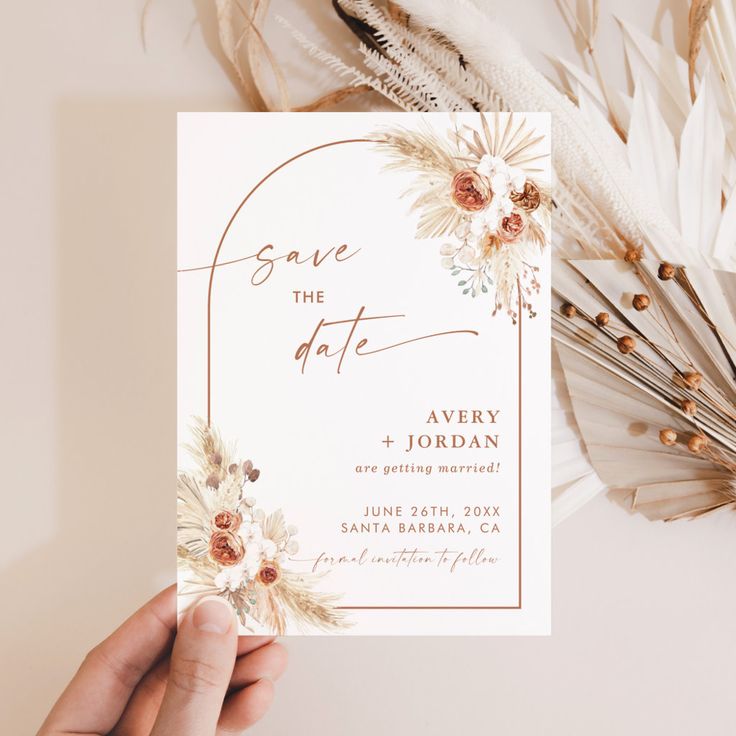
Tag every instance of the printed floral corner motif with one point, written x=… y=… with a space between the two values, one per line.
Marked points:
x=481 y=190
x=229 y=546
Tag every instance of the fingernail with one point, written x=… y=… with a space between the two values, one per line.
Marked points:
x=213 y=614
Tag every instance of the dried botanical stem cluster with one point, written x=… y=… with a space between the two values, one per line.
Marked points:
x=228 y=546
x=640 y=175
x=478 y=187
x=662 y=349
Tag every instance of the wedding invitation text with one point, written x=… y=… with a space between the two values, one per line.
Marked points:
x=384 y=366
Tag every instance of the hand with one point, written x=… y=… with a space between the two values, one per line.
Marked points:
x=211 y=683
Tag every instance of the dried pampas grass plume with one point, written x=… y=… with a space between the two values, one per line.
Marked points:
x=578 y=149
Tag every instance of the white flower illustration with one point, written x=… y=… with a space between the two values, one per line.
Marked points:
x=268 y=549
x=230 y=578
x=252 y=559
x=504 y=180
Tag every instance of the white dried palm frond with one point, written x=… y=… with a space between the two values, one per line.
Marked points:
x=720 y=45
x=586 y=88
x=660 y=69
x=681 y=146
x=681 y=151
x=574 y=480
x=673 y=374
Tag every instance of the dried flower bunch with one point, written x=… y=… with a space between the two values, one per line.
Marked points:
x=435 y=55
x=652 y=380
x=640 y=175
x=228 y=546
x=630 y=172
x=478 y=187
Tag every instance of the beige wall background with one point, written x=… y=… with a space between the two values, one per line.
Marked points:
x=644 y=615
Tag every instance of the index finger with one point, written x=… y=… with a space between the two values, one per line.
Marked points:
x=96 y=698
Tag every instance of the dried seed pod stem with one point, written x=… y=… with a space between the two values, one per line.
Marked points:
x=668 y=436
x=626 y=344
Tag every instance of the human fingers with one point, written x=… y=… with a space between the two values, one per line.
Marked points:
x=267 y=662
x=201 y=666
x=97 y=695
x=245 y=707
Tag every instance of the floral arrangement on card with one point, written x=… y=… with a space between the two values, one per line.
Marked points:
x=644 y=221
x=477 y=190
x=229 y=546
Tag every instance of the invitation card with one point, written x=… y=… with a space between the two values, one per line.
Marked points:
x=363 y=371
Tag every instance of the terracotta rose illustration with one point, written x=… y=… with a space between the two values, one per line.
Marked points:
x=478 y=189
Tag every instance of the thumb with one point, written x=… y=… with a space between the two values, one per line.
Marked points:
x=202 y=663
